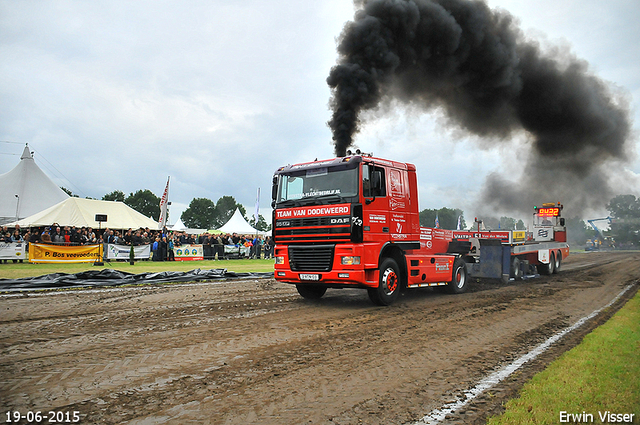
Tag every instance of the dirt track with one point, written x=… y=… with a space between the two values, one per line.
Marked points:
x=254 y=352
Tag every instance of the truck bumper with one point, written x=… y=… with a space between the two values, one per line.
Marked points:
x=337 y=279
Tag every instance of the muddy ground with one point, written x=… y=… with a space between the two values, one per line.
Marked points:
x=254 y=352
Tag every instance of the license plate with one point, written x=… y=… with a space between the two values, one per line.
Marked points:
x=304 y=276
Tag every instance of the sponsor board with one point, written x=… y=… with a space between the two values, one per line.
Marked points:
x=121 y=252
x=188 y=252
x=13 y=251
x=41 y=253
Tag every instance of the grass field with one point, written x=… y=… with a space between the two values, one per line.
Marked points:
x=17 y=270
x=590 y=383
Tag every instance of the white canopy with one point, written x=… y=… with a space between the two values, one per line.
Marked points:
x=82 y=212
x=179 y=225
x=237 y=224
x=27 y=190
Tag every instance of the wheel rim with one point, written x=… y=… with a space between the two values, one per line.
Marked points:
x=460 y=277
x=389 y=281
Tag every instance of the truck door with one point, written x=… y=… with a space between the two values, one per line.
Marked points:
x=375 y=205
x=398 y=200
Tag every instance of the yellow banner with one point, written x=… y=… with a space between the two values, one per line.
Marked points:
x=519 y=235
x=41 y=253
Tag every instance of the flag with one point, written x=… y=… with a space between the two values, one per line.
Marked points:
x=256 y=215
x=164 y=201
x=459 y=222
x=437 y=222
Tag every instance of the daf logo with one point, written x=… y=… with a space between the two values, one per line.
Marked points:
x=344 y=220
x=283 y=223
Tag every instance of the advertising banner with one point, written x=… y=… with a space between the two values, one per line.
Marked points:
x=121 y=252
x=13 y=251
x=188 y=252
x=41 y=253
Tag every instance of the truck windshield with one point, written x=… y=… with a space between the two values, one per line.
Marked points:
x=326 y=184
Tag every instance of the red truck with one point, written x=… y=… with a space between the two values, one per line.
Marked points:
x=353 y=222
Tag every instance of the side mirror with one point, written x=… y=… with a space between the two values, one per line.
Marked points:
x=274 y=191
x=562 y=222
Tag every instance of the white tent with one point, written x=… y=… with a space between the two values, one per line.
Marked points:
x=82 y=212
x=237 y=224
x=179 y=225
x=27 y=190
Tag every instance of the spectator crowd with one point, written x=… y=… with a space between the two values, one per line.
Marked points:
x=162 y=242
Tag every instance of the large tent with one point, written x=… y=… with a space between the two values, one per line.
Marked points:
x=237 y=224
x=27 y=190
x=82 y=212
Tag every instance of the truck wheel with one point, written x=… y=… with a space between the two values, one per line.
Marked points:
x=548 y=268
x=458 y=282
x=558 y=263
x=388 y=285
x=311 y=292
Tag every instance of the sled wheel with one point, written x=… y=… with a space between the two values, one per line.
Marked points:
x=516 y=272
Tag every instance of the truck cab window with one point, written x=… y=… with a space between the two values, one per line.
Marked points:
x=373 y=181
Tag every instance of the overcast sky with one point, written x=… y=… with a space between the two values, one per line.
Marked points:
x=118 y=95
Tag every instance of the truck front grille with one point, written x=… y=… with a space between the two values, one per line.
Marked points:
x=312 y=258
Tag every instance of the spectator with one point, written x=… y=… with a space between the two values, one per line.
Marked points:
x=35 y=237
x=46 y=237
x=57 y=237
x=75 y=237
x=16 y=236
x=170 y=244
x=155 y=248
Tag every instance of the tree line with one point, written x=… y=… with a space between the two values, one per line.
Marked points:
x=202 y=213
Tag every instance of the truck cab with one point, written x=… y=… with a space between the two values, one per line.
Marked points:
x=353 y=222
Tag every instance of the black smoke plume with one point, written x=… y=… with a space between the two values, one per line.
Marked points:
x=476 y=65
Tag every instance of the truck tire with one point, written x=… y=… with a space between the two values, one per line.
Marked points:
x=388 y=284
x=548 y=269
x=311 y=292
x=558 y=263
x=459 y=279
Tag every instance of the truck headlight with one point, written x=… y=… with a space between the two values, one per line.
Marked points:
x=350 y=260
x=279 y=260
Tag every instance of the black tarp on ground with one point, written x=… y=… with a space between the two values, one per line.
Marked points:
x=110 y=277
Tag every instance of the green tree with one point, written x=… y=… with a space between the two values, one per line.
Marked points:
x=520 y=225
x=447 y=218
x=625 y=223
x=507 y=223
x=261 y=225
x=145 y=202
x=116 y=195
x=578 y=231
x=69 y=192
x=225 y=207
x=200 y=214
